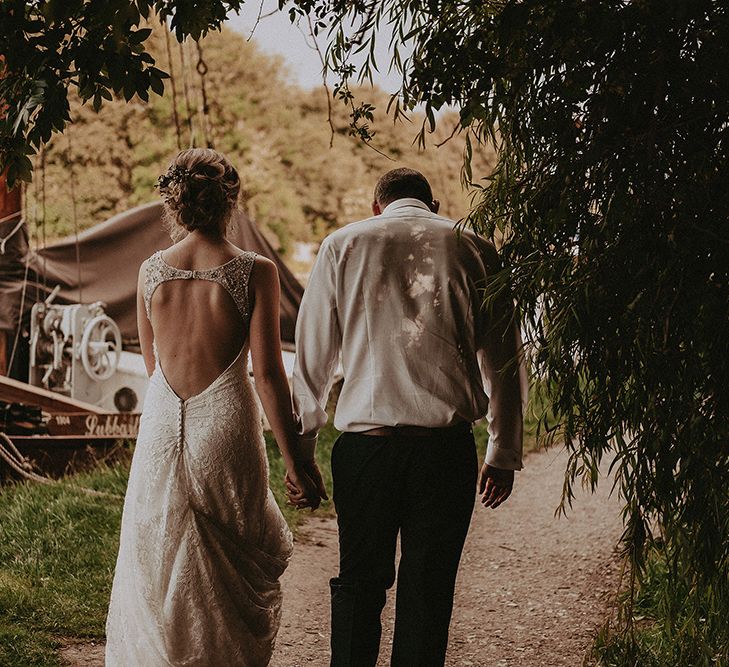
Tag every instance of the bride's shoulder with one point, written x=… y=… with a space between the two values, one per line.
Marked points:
x=147 y=263
x=152 y=258
x=233 y=251
x=264 y=265
x=264 y=273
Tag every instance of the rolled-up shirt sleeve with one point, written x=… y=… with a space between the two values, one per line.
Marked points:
x=318 y=344
x=505 y=381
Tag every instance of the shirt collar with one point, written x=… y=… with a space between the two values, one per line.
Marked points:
x=402 y=203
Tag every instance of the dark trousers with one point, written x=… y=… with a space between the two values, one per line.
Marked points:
x=423 y=488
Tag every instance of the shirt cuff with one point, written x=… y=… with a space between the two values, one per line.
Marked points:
x=503 y=458
x=306 y=446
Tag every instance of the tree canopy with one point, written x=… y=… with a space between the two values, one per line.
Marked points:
x=276 y=133
x=95 y=46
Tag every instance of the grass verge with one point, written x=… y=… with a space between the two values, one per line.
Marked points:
x=57 y=552
x=664 y=629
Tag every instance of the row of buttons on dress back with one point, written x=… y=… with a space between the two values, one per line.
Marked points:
x=180 y=425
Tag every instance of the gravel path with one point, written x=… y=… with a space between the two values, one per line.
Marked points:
x=532 y=588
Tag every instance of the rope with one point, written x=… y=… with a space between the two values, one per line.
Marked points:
x=20 y=315
x=174 y=90
x=43 y=218
x=186 y=91
x=24 y=199
x=36 y=238
x=202 y=70
x=4 y=240
x=21 y=465
x=10 y=217
x=17 y=459
x=75 y=213
x=19 y=325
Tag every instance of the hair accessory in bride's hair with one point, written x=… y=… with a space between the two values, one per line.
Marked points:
x=174 y=175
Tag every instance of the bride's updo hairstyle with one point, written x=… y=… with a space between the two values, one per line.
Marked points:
x=200 y=191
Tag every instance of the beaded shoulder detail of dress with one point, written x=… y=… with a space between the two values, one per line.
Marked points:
x=234 y=276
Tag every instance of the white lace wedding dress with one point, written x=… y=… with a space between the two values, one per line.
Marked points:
x=203 y=543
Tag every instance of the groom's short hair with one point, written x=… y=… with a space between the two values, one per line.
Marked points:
x=400 y=183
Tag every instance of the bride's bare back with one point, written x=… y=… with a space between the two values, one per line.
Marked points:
x=196 y=326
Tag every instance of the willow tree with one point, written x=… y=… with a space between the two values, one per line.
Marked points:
x=611 y=195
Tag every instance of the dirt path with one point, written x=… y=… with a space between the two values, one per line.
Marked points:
x=531 y=590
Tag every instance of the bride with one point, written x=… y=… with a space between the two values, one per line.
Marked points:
x=203 y=543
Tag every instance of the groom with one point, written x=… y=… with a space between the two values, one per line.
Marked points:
x=399 y=297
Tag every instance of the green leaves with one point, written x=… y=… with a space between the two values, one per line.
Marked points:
x=97 y=47
x=20 y=169
x=195 y=18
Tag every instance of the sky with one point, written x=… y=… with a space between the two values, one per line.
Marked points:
x=276 y=35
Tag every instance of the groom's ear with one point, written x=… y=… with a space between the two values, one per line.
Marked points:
x=435 y=206
x=376 y=210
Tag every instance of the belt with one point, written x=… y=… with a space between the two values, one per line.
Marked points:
x=418 y=431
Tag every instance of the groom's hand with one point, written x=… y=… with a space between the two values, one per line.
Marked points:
x=494 y=485
x=304 y=485
x=312 y=470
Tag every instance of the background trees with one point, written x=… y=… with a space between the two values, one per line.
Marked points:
x=95 y=47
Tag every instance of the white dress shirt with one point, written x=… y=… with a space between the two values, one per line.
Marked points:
x=399 y=297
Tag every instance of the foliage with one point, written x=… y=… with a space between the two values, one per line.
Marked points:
x=610 y=121
x=102 y=51
x=654 y=643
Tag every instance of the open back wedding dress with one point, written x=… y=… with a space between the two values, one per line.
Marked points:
x=203 y=543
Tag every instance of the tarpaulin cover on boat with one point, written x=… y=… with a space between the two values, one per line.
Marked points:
x=111 y=253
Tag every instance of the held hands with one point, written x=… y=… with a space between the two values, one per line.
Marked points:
x=304 y=485
x=494 y=485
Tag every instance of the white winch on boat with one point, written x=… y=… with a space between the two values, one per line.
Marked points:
x=76 y=350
